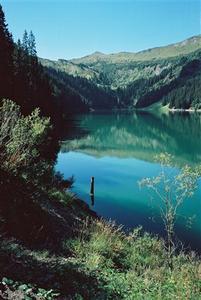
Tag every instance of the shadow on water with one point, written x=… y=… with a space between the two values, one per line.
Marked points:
x=72 y=130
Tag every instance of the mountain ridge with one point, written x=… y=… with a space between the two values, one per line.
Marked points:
x=170 y=74
x=194 y=39
x=138 y=55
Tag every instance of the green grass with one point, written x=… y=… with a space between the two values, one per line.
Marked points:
x=134 y=266
x=102 y=262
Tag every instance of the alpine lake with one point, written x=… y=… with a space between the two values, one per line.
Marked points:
x=120 y=149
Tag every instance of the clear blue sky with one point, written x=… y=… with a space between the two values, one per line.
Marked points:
x=74 y=28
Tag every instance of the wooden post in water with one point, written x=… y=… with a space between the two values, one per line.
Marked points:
x=92 y=186
x=92 y=200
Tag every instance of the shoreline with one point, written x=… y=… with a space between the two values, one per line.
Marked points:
x=146 y=109
x=190 y=110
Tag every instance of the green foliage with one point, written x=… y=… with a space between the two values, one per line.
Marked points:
x=27 y=178
x=65 y=197
x=18 y=290
x=20 y=137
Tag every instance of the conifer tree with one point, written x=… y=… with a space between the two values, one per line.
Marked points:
x=6 y=60
x=25 y=42
x=32 y=44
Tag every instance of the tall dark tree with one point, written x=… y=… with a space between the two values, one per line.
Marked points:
x=18 y=70
x=25 y=42
x=6 y=61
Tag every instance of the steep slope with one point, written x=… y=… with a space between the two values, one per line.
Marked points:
x=71 y=68
x=86 y=95
x=180 y=74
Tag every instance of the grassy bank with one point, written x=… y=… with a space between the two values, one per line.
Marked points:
x=98 y=262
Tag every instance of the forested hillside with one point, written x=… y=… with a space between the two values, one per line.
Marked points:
x=136 y=80
x=91 y=95
x=24 y=80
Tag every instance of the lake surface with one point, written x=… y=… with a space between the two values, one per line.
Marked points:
x=119 y=150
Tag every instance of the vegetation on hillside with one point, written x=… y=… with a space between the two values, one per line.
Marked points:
x=182 y=48
x=35 y=207
x=24 y=80
x=91 y=95
x=134 y=81
x=101 y=263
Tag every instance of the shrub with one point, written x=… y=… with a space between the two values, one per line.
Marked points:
x=20 y=137
x=172 y=190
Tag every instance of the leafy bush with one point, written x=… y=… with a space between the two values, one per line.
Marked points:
x=20 y=137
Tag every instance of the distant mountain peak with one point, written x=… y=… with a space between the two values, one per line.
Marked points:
x=98 y=53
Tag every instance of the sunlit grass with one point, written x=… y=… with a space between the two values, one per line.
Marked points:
x=134 y=266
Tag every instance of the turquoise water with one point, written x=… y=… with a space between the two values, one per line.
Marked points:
x=119 y=150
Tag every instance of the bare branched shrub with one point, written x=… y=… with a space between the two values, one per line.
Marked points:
x=172 y=190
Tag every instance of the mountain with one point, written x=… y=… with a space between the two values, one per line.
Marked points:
x=169 y=74
x=185 y=47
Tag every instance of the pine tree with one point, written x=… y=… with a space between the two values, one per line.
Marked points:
x=32 y=44
x=6 y=59
x=25 y=43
